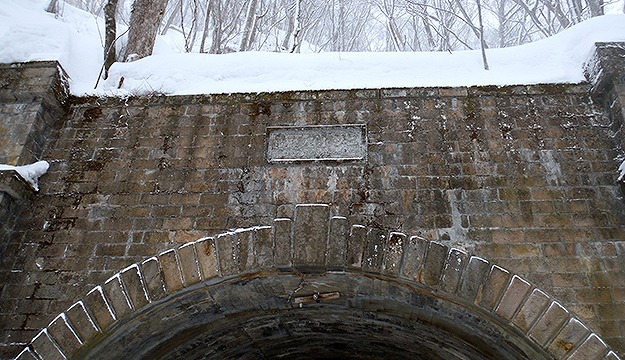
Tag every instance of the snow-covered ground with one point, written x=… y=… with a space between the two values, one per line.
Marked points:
x=27 y=33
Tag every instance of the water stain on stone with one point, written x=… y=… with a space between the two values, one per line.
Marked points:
x=565 y=345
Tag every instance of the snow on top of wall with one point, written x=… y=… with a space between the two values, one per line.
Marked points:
x=28 y=33
x=31 y=173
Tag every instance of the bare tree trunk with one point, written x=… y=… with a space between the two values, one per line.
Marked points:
x=206 y=22
x=217 y=28
x=297 y=27
x=483 y=43
x=110 y=55
x=145 y=19
x=53 y=7
x=249 y=23
x=596 y=7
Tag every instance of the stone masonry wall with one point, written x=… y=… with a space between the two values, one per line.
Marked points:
x=523 y=176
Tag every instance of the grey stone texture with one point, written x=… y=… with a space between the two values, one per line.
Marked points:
x=522 y=176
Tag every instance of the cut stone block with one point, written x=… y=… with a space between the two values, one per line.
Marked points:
x=81 y=322
x=134 y=287
x=493 y=287
x=548 y=324
x=264 y=247
x=434 y=263
x=473 y=278
x=531 y=310
x=116 y=297
x=394 y=253
x=568 y=338
x=413 y=258
x=591 y=348
x=98 y=308
x=63 y=336
x=310 y=235
x=152 y=277
x=45 y=347
x=512 y=298
x=171 y=271
x=355 y=246
x=247 y=250
x=228 y=253
x=282 y=243
x=188 y=264
x=452 y=272
x=337 y=243
x=207 y=258
x=374 y=251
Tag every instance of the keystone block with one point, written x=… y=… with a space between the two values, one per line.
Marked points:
x=310 y=235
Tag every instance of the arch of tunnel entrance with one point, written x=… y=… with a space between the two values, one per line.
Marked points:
x=316 y=287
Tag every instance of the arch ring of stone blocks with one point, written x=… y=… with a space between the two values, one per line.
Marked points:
x=315 y=241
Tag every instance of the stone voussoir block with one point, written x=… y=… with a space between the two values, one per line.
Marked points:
x=282 y=242
x=135 y=289
x=494 y=287
x=512 y=298
x=592 y=348
x=189 y=264
x=355 y=246
x=247 y=250
x=153 y=278
x=452 y=271
x=433 y=264
x=45 y=347
x=98 y=308
x=531 y=310
x=207 y=257
x=337 y=243
x=414 y=255
x=170 y=268
x=374 y=250
x=393 y=254
x=310 y=235
x=472 y=279
x=116 y=296
x=64 y=335
x=81 y=322
x=549 y=323
x=568 y=339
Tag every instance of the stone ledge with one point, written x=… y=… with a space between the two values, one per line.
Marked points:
x=15 y=186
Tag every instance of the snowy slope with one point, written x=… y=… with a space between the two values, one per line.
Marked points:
x=28 y=33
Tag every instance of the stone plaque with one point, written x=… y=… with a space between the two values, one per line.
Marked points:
x=316 y=143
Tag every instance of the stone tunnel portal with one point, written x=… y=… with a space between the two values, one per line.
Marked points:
x=316 y=287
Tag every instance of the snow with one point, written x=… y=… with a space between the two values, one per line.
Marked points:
x=621 y=170
x=74 y=38
x=31 y=173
